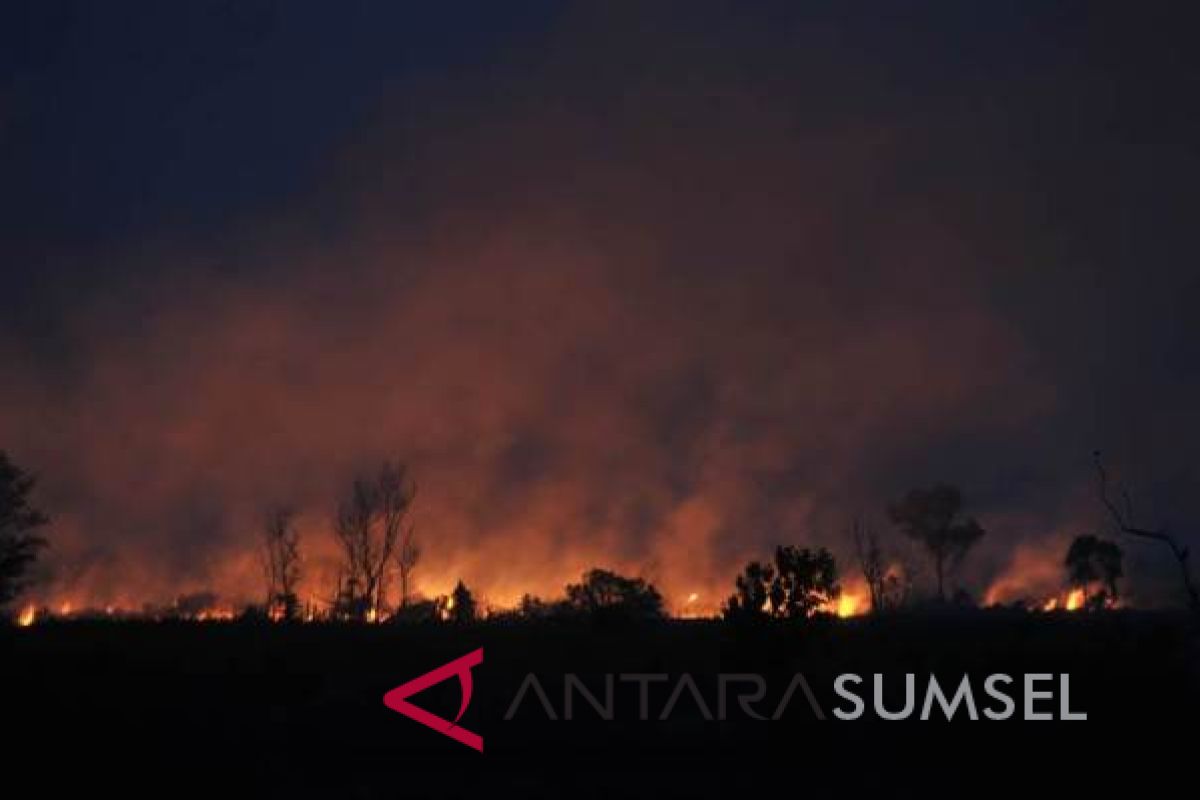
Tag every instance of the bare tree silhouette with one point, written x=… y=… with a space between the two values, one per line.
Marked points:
x=19 y=545
x=281 y=563
x=890 y=575
x=870 y=562
x=369 y=525
x=1125 y=520
x=407 y=557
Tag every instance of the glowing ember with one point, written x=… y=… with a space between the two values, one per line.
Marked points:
x=27 y=616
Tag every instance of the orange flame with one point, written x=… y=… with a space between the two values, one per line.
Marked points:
x=214 y=615
x=852 y=602
x=1072 y=601
x=27 y=616
x=1075 y=600
x=850 y=605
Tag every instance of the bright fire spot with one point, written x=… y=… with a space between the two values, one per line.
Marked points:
x=65 y=610
x=692 y=607
x=27 y=616
x=215 y=615
x=1075 y=600
x=849 y=605
x=447 y=607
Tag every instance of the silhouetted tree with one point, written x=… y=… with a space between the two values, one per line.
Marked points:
x=420 y=610
x=407 y=556
x=1126 y=522
x=194 y=604
x=1090 y=560
x=19 y=544
x=532 y=607
x=368 y=525
x=281 y=563
x=605 y=593
x=348 y=601
x=462 y=607
x=798 y=583
x=871 y=563
x=752 y=590
x=933 y=518
x=890 y=585
x=805 y=580
x=901 y=581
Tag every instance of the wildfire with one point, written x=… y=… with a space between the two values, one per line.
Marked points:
x=850 y=604
x=214 y=615
x=692 y=607
x=447 y=607
x=27 y=616
x=1075 y=600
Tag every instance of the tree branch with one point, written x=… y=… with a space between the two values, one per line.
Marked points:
x=1126 y=524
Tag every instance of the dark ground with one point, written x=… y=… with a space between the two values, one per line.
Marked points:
x=274 y=710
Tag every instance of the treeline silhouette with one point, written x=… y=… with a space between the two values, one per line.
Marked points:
x=379 y=547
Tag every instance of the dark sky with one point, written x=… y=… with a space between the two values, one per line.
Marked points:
x=651 y=285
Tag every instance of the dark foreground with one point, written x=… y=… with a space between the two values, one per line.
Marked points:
x=296 y=711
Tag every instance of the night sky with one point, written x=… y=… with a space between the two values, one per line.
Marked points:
x=652 y=286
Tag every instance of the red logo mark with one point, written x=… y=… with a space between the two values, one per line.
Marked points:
x=397 y=699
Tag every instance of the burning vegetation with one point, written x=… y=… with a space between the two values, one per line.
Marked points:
x=380 y=551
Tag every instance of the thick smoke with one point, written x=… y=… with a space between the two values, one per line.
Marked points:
x=658 y=320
